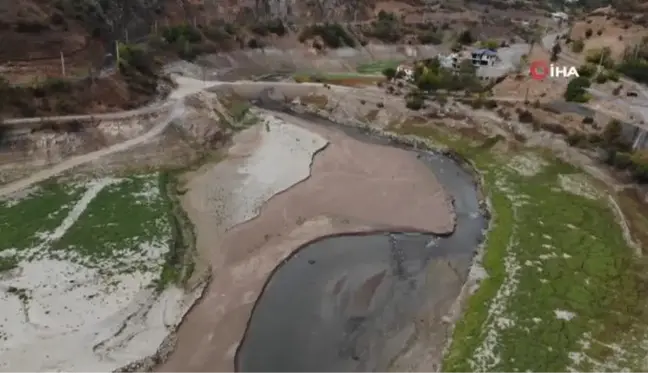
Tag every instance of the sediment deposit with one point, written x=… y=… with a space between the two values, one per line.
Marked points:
x=244 y=231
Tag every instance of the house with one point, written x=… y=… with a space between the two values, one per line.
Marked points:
x=559 y=16
x=406 y=70
x=450 y=61
x=483 y=57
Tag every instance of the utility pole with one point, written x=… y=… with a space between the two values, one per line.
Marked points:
x=62 y=64
x=117 y=53
x=598 y=66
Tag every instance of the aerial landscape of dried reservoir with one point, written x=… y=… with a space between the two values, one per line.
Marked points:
x=375 y=193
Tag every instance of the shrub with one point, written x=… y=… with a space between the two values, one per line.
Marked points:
x=576 y=139
x=602 y=56
x=617 y=90
x=636 y=69
x=576 y=90
x=612 y=133
x=389 y=72
x=333 y=35
x=465 y=38
x=588 y=33
x=430 y=38
x=622 y=160
x=525 y=116
x=490 y=44
x=639 y=169
x=601 y=78
x=184 y=32
x=387 y=28
x=578 y=46
x=554 y=128
x=613 y=75
x=587 y=70
x=490 y=104
x=414 y=102
x=254 y=44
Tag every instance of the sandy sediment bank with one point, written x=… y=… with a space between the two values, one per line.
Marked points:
x=247 y=220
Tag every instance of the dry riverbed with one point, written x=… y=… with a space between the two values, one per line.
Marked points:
x=248 y=221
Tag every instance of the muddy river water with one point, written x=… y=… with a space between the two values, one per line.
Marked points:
x=352 y=302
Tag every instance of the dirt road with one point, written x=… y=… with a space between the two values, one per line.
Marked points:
x=186 y=87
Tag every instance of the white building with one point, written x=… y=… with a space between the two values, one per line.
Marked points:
x=406 y=70
x=560 y=17
x=484 y=57
x=450 y=61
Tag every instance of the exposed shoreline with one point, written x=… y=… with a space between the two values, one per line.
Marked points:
x=186 y=356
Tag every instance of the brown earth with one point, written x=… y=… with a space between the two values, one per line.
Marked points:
x=615 y=34
x=347 y=192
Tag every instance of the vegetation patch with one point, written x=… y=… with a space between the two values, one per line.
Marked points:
x=564 y=290
x=25 y=215
x=345 y=79
x=123 y=228
x=114 y=225
x=377 y=67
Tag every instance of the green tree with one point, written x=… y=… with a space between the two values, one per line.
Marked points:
x=576 y=90
x=612 y=133
x=490 y=44
x=555 y=51
x=602 y=56
x=414 y=102
x=389 y=73
x=587 y=70
x=578 y=46
x=465 y=38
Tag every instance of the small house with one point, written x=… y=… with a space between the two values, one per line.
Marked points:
x=450 y=61
x=483 y=57
x=560 y=16
x=406 y=70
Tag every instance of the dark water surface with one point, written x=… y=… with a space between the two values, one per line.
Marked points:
x=348 y=303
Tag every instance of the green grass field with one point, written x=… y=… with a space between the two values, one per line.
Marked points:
x=377 y=67
x=117 y=225
x=125 y=224
x=564 y=291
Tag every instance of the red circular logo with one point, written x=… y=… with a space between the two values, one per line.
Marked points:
x=539 y=70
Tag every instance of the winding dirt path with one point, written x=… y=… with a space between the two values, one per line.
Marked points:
x=186 y=87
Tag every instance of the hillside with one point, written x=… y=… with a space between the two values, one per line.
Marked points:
x=75 y=40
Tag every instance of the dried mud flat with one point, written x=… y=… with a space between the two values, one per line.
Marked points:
x=250 y=214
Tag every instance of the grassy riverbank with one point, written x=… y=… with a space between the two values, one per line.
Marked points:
x=564 y=290
x=116 y=225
